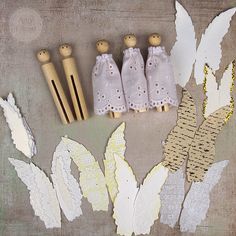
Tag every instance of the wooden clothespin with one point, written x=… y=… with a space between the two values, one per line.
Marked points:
x=55 y=87
x=73 y=81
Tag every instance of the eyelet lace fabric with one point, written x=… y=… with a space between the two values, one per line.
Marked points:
x=160 y=78
x=134 y=80
x=108 y=91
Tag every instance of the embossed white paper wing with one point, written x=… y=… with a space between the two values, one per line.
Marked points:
x=92 y=180
x=20 y=132
x=172 y=196
x=183 y=52
x=116 y=144
x=209 y=49
x=42 y=195
x=197 y=201
x=66 y=186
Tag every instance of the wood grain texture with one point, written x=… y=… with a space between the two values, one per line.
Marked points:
x=82 y=23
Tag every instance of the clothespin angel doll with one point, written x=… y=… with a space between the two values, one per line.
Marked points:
x=160 y=76
x=107 y=86
x=133 y=77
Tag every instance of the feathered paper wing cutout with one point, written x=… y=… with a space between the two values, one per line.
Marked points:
x=172 y=196
x=183 y=53
x=116 y=144
x=209 y=49
x=179 y=139
x=92 y=180
x=202 y=150
x=136 y=209
x=218 y=97
x=197 y=201
x=66 y=186
x=42 y=195
x=20 y=132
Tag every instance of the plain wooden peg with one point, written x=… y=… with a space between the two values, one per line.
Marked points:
x=73 y=81
x=55 y=87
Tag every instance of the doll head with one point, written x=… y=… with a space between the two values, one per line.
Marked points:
x=43 y=55
x=65 y=50
x=102 y=46
x=130 y=40
x=154 y=39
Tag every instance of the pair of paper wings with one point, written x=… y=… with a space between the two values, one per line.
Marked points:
x=185 y=52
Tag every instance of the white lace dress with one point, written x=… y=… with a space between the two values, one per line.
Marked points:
x=160 y=78
x=107 y=86
x=134 y=80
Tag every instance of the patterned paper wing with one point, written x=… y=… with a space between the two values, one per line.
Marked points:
x=20 y=132
x=202 y=150
x=179 y=139
x=115 y=145
x=209 y=49
x=183 y=52
x=66 y=186
x=147 y=203
x=92 y=180
x=124 y=201
x=42 y=195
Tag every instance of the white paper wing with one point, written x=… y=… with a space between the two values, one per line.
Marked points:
x=183 y=53
x=92 y=180
x=209 y=49
x=66 y=186
x=197 y=201
x=42 y=195
x=20 y=132
x=147 y=203
x=115 y=145
x=124 y=201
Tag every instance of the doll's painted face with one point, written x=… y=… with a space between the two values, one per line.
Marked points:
x=154 y=39
x=102 y=46
x=130 y=40
x=43 y=55
x=65 y=50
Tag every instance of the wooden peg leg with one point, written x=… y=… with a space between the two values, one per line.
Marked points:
x=115 y=115
x=159 y=109
x=166 y=107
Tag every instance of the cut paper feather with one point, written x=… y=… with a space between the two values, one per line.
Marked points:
x=172 y=196
x=20 y=132
x=66 y=186
x=115 y=145
x=202 y=150
x=217 y=97
x=197 y=201
x=136 y=208
x=92 y=180
x=184 y=53
x=178 y=141
x=42 y=195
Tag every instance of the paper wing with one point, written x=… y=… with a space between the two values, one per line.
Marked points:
x=92 y=180
x=115 y=145
x=124 y=201
x=209 y=49
x=183 y=53
x=42 y=195
x=66 y=186
x=20 y=132
x=147 y=202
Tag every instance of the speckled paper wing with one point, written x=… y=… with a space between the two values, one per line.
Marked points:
x=183 y=53
x=92 y=180
x=178 y=141
x=66 y=186
x=20 y=132
x=42 y=195
x=209 y=49
x=218 y=97
x=197 y=201
x=172 y=196
x=115 y=145
x=202 y=150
